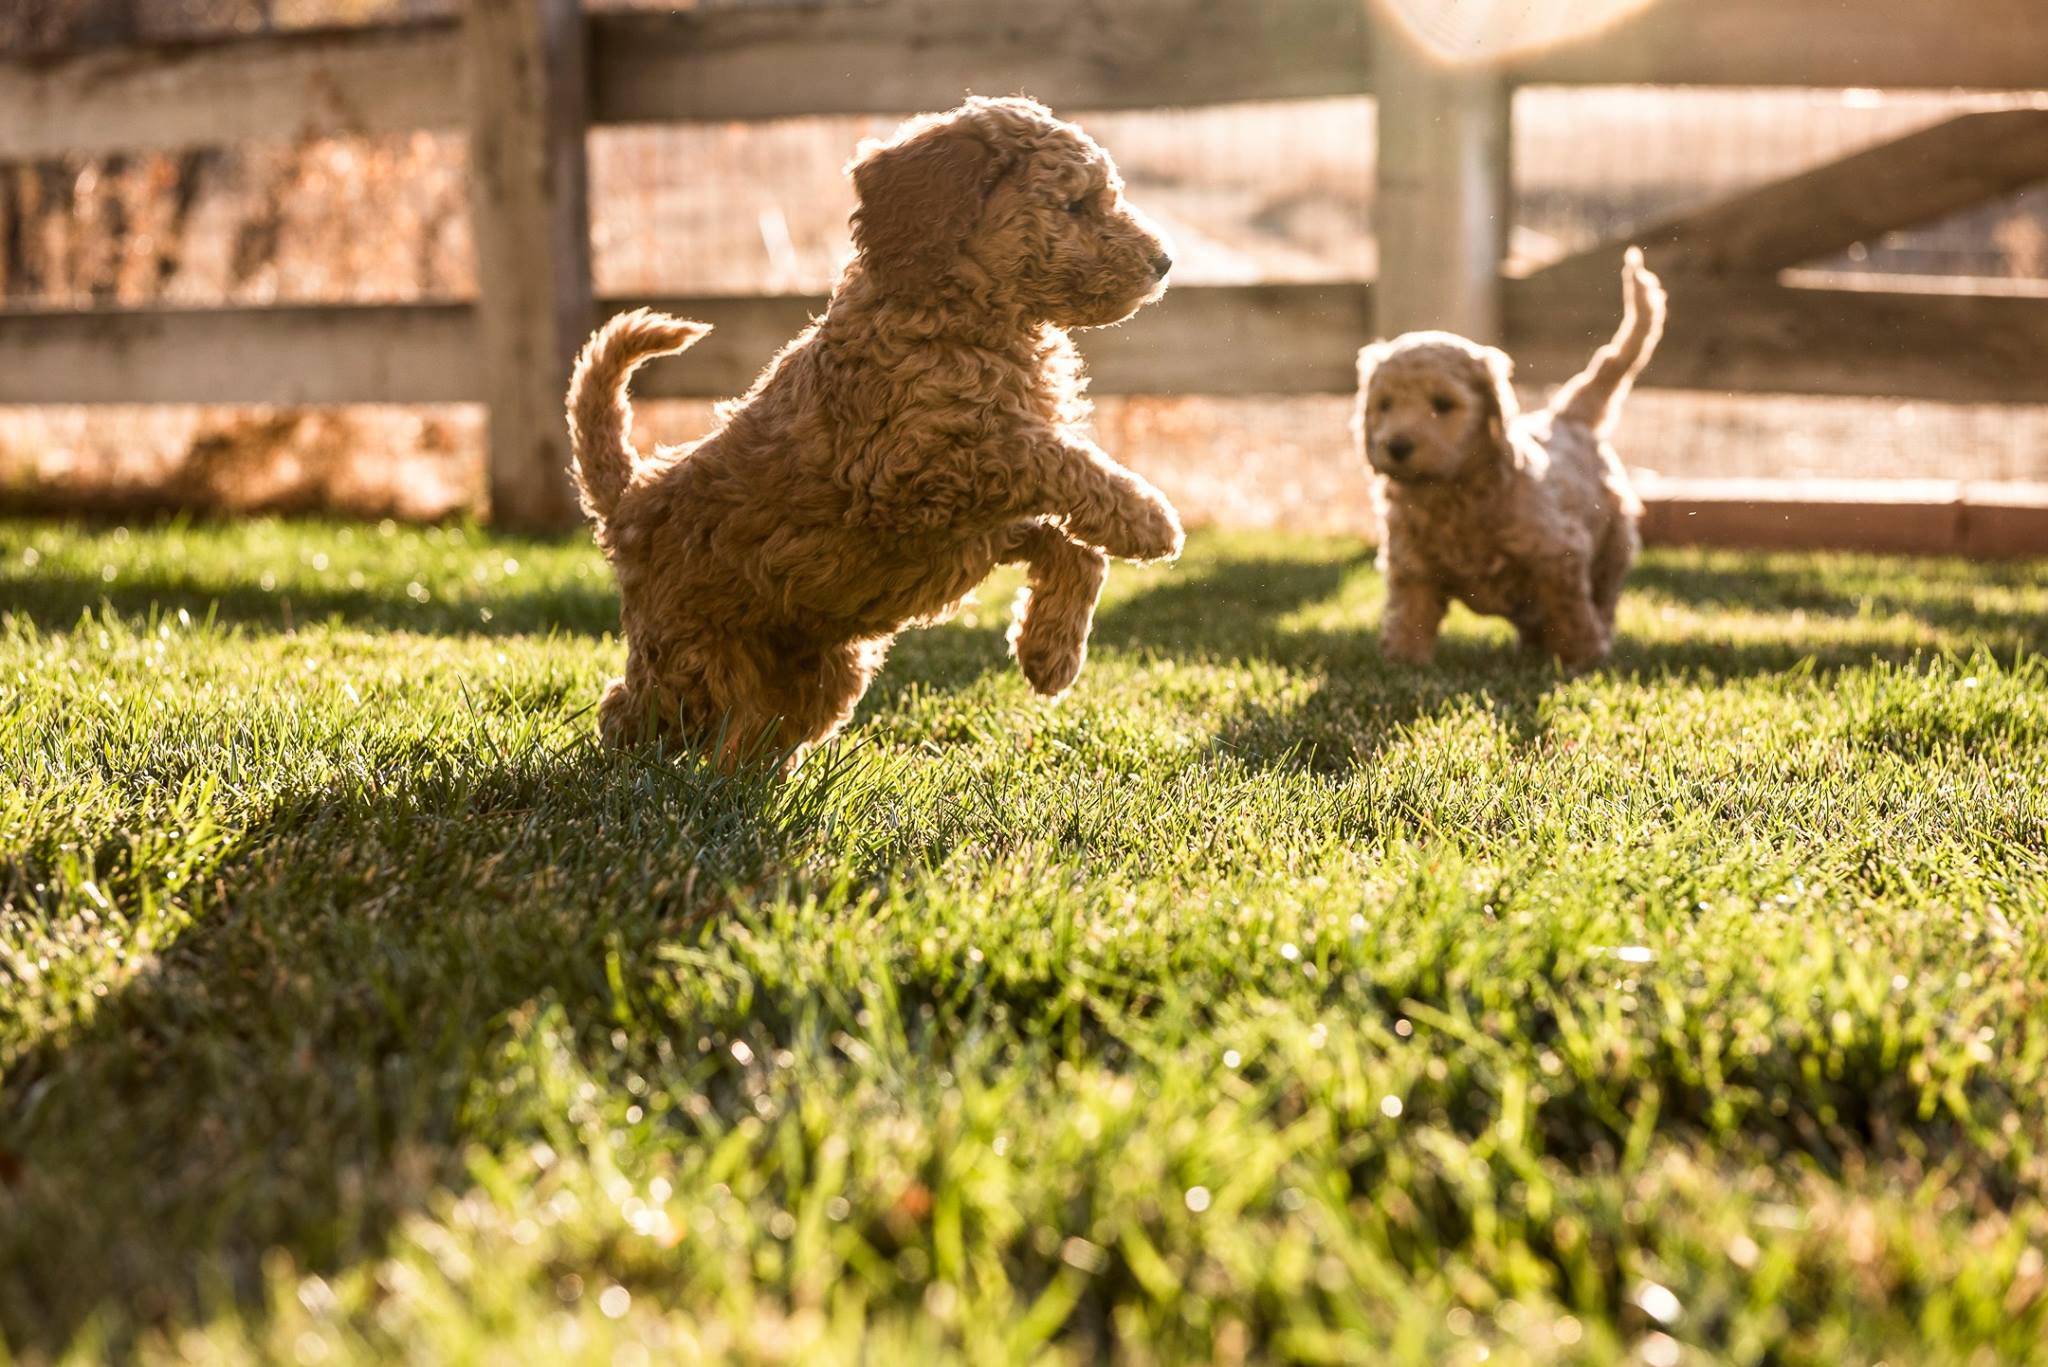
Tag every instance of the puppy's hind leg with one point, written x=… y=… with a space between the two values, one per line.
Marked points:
x=819 y=689
x=1611 y=566
x=1055 y=609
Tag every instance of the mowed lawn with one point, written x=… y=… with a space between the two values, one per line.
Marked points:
x=1257 y=1002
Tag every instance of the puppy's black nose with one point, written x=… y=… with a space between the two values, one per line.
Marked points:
x=1400 y=448
x=1161 y=264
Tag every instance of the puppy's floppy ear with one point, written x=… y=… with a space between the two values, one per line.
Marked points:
x=919 y=197
x=1369 y=358
x=1497 y=376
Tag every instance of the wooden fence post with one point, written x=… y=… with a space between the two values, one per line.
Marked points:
x=1443 y=194
x=528 y=97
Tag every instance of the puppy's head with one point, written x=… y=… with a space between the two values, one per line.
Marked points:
x=1432 y=406
x=1002 y=202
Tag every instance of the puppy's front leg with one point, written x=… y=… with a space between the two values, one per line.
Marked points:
x=1415 y=612
x=1572 y=630
x=1100 y=502
x=1056 y=607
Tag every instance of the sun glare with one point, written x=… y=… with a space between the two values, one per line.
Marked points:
x=1486 y=30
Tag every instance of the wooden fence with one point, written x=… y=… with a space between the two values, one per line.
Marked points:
x=527 y=78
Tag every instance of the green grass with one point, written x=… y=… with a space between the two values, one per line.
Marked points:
x=1257 y=1002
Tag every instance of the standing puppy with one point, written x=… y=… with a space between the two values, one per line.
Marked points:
x=1524 y=516
x=927 y=428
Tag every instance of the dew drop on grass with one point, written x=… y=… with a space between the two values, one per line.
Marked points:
x=1660 y=1303
x=1390 y=1106
x=1636 y=954
x=1289 y=952
x=1231 y=1058
x=741 y=1053
x=1659 y=1350
x=615 y=1302
x=1197 y=1199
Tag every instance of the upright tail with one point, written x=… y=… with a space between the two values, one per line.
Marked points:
x=1594 y=395
x=600 y=416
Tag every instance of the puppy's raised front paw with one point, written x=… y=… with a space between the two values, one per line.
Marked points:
x=1156 y=533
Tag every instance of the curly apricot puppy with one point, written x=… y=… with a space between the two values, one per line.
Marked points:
x=1524 y=516
x=927 y=428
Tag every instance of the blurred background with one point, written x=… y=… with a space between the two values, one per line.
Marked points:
x=762 y=208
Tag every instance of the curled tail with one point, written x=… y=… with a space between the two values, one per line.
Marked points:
x=600 y=417
x=1594 y=395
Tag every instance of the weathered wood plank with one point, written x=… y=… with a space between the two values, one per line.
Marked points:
x=1939 y=170
x=1442 y=202
x=1762 y=337
x=894 y=56
x=278 y=87
x=1237 y=339
x=408 y=353
x=1886 y=44
x=1256 y=339
x=530 y=214
x=1260 y=339
x=713 y=63
x=899 y=56
x=1900 y=517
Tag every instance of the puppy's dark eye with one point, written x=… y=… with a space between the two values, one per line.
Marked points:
x=1442 y=404
x=1077 y=207
x=1384 y=404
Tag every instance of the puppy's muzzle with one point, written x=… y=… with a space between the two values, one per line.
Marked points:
x=1400 y=448
x=1161 y=264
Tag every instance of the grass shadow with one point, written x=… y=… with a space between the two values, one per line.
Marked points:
x=1852 y=589
x=1358 y=701
x=296 y=1070
x=55 y=599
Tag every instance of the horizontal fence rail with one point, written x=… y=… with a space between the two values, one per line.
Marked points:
x=1219 y=340
x=901 y=56
x=525 y=78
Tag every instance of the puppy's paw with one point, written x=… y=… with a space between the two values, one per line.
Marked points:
x=1051 y=667
x=1050 y=647
x=1405 y=649
x=1579 y=657
x=1579 y=650
x=1155 y=532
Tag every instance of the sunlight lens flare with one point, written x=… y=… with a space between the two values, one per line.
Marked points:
x=1488 y=30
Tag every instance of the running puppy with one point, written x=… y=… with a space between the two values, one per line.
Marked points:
x=927 y=428
x=1524 y=516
